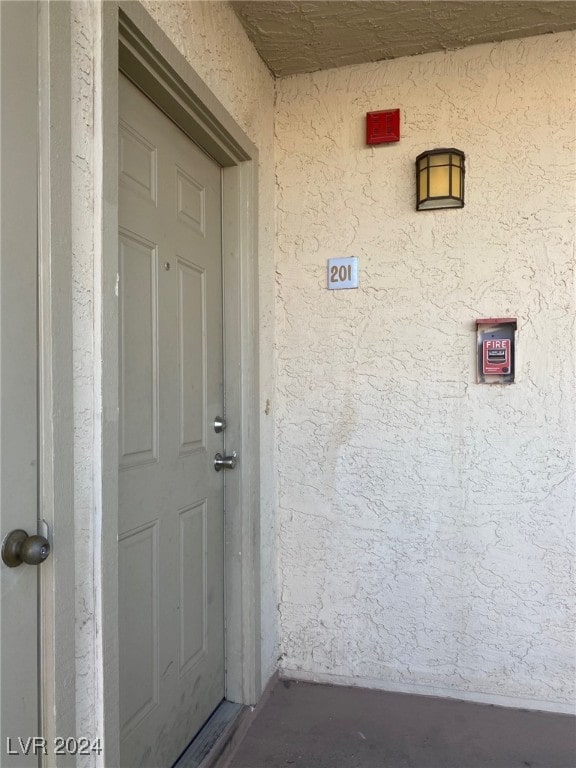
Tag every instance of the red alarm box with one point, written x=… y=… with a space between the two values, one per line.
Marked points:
x=383 y=127
x=496 y=338
x=496 y=356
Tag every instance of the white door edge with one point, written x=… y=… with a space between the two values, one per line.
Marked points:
x=56 y=497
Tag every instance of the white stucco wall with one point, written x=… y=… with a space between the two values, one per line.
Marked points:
x=212 y=39
x=84 y=23
x=426 y=522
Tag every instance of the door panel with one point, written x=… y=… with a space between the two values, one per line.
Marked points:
x=192 y=356
x=193 y=602
x=18 y=373
x=171 y=500
x=138 y=551
x=138 y=260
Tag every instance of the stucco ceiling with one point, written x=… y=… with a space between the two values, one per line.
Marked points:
x=295 y=36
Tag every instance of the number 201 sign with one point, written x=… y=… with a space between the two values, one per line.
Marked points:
x=343 y=273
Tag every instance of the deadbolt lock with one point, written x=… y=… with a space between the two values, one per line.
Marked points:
x=219 y=424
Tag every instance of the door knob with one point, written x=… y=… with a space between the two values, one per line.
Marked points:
x=18 y=548
x=225 y=462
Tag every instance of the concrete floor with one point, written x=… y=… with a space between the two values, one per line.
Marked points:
x=319 y=726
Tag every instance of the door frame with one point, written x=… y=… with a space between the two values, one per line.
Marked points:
x=152 y=62
x=57 y=578
x=124 y=36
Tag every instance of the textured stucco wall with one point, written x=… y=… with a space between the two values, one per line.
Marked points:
x=426 y=522
x=84 y=33
x=212 y=39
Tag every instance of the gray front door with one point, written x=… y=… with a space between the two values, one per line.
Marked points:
x=171 y=389
x=18 y=377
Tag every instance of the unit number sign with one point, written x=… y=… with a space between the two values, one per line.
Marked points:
x=343 y=273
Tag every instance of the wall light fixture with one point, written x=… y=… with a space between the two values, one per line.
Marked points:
x=440 y=179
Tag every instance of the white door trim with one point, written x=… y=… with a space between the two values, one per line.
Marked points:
x=56 y=425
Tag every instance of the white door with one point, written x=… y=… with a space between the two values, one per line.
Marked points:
x=18 y=380
x=171 y=389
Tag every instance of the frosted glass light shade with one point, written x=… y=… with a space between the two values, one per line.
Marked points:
x=440 y=179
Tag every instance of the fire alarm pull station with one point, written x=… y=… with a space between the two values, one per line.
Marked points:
x=496 y=349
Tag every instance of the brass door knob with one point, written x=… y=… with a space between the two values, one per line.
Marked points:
x=18 y=548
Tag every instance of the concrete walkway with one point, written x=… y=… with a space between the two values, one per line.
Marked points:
x=319 y=726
